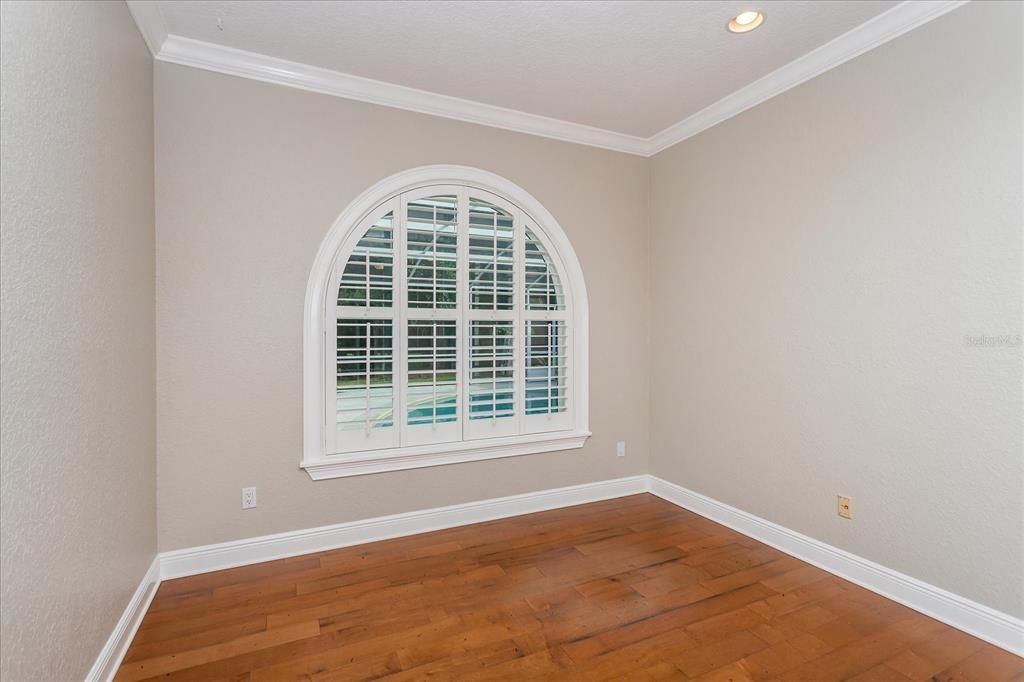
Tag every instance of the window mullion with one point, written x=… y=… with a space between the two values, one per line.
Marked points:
x=494 y=329
x=353 y=312
x=400 y=273
x=519 y=324
x=552 y=364
x=494 y=264
x=547 y=315
x=462 y=296
x=368 y=381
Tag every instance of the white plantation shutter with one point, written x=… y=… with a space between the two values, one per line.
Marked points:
x=543 y=285
x=432 y=386
x=432 y=410
x=431 y=252
x=491 y=379
x=491 y=355
x=491 y=256
x=450 y=323
x=545 y=394
x=546 y=367
x=368 y=275
x=430 y=394
x=364 y=372
x=361 y=390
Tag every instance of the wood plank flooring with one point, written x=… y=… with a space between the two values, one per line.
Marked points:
x=628 y=589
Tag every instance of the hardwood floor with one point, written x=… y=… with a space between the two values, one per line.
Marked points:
x=628 y=589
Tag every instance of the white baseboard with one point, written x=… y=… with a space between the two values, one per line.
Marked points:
x=998 y=628
x=116 y=647
x=995 y=627
x=183 y=562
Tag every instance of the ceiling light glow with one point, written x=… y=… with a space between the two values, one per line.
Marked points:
x=746 y=18
x=746 y=21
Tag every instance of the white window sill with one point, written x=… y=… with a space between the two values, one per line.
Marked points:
x=395 y=459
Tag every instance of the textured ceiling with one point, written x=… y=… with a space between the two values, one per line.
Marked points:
x=632 y=67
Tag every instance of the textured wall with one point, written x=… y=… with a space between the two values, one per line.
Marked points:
x=250 y=177
x=817 y=264
x=77 y=349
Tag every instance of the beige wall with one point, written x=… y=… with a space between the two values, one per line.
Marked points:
x=77 y=498
x=250 y=177
x=817 y=264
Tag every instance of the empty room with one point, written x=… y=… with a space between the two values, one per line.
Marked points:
x=512 y=340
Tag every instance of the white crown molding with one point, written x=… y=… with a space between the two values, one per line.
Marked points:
x=113 y=651
x=995 y=627
x=178 y=563
x=879 y=30
x=231 y=61
x=151 y=23
x=227 y=60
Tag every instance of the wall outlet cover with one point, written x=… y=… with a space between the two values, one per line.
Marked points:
x=845 y=506
x=248 y=498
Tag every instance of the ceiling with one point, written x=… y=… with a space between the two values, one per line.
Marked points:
x=632 y=67
x=634 y=76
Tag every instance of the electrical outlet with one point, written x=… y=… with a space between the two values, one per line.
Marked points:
x=620 y=448
x=845 y=506
x=248 y=498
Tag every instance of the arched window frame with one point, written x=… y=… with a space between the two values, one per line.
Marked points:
x=339 y=242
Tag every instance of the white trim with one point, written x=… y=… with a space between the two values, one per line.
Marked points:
x=116 y=647
x=342 y=233
x=995 y=627
x=268 y=547
x=151 y=23
x=435 y=454
x=176 y=49
x=876 y=31
x=234 y=62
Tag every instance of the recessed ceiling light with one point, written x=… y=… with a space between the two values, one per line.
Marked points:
x=746 y=21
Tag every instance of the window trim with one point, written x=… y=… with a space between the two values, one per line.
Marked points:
x=341 y=238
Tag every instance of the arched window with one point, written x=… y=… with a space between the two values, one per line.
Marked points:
x=445 y=321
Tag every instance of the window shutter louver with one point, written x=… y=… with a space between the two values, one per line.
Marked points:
x=491 y=355
x=431 y=252
x=368 y=274
x=365 y=357
x=546 y=367
x=491 y=256
x=361 y=389
x=432 y=384
x=545 y=395
x=543 y=285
